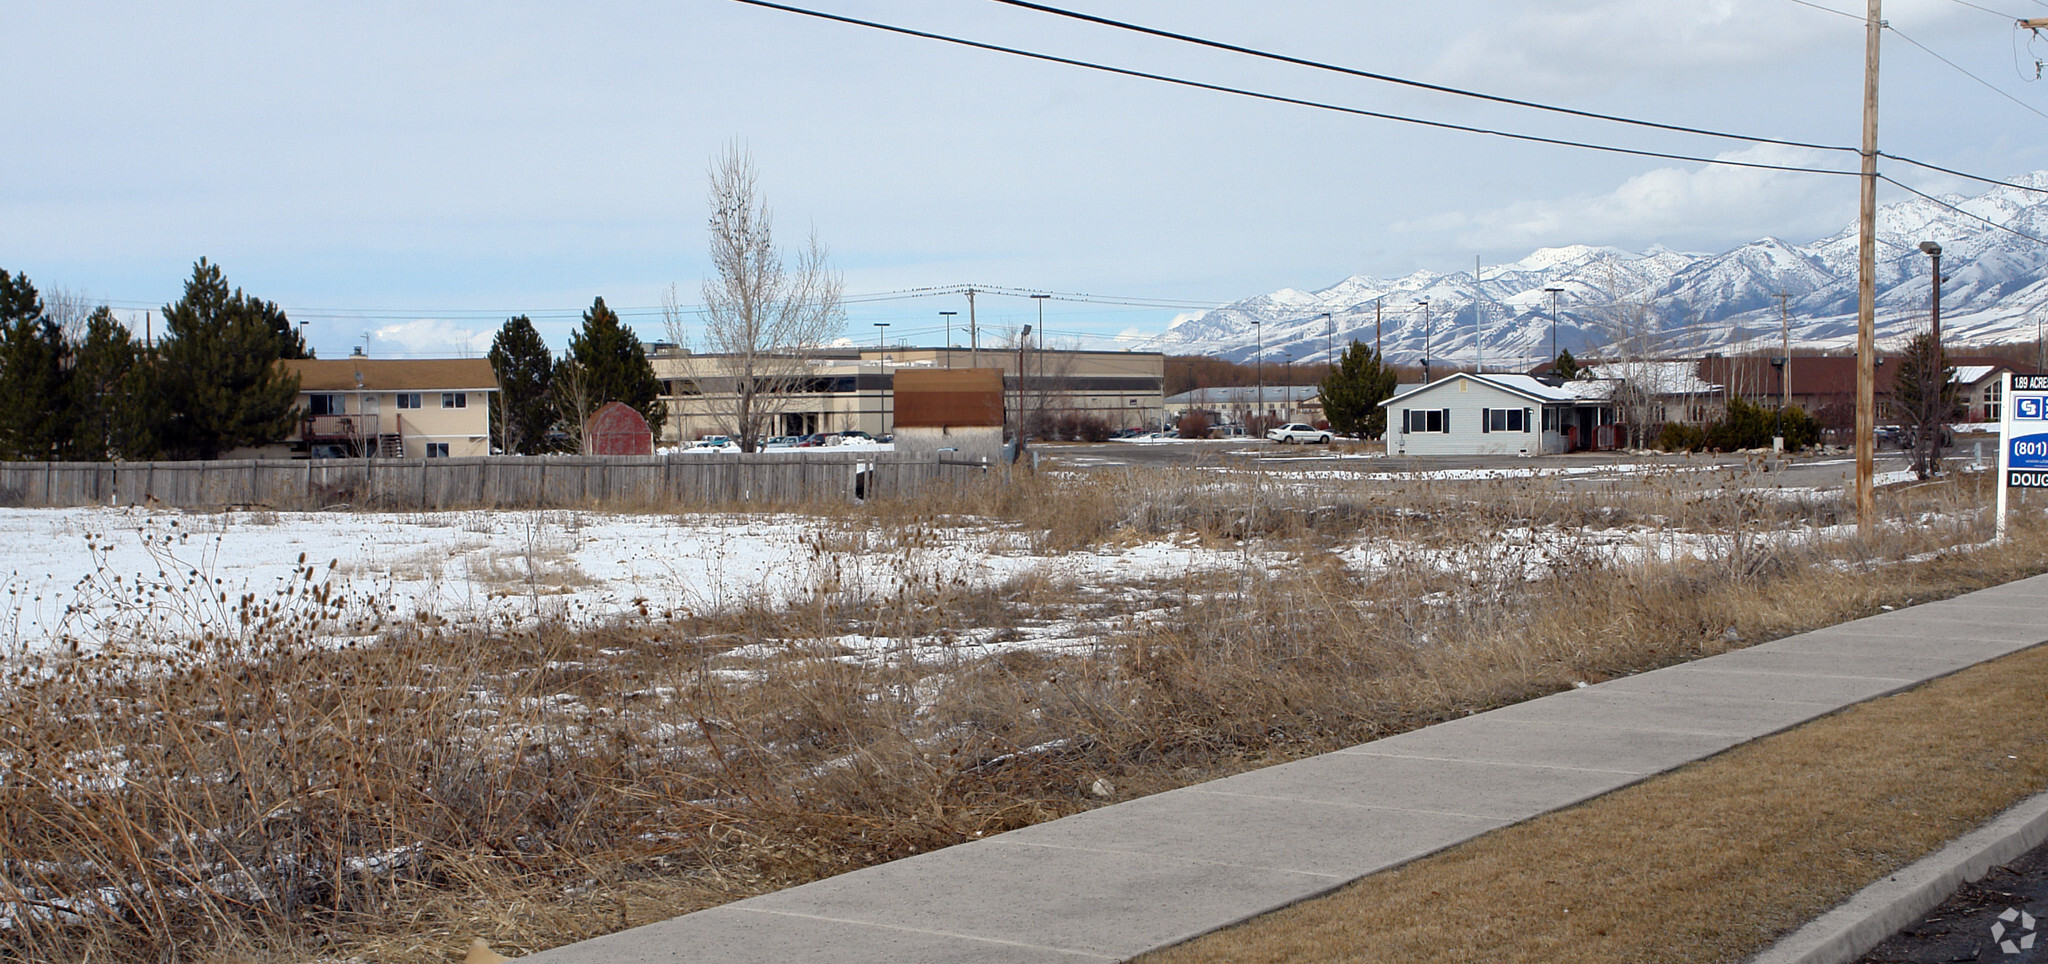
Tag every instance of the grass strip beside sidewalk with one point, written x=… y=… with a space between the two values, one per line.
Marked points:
x=1711 y=862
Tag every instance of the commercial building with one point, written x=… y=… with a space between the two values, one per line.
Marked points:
x=853 y=389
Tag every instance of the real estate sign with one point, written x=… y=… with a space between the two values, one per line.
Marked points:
x=2022 y=437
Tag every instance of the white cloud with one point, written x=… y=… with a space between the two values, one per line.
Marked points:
x=429 y=338
x=1712 y=207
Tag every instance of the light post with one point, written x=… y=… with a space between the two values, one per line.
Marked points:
x=1933 y=384
x=1424 y=302
x=1553 y=292
x=1329 y=341
x=948 y=315
x=1023 y=340
x=881 y=333
x=1259 y=366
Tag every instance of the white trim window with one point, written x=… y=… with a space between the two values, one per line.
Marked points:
x=454 y=399
x=1994 y=395
x=437 y=450
x=325 y=403
x=408 y=399
x=1504 y=420
x=1436 y=420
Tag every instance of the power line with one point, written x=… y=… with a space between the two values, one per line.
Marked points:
x=1959 y=69
x=1859 y=18
x=1967 y=3
x=1280 y=99
x=1403 y=81
x=1977 y=217
x=1275 y=98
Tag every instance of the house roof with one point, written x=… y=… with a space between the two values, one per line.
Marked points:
x=393 y=374
x=1682 y=377
x=1522 y=385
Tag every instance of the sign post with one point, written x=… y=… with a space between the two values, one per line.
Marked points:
x=2022 y=438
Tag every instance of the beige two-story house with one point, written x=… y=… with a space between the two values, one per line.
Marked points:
x=409 y=408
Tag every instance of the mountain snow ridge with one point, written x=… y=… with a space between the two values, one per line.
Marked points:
x=1673 y=302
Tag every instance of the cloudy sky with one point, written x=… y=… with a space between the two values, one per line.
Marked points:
x=417 y=172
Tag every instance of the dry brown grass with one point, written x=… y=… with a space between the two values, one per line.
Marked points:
x=217 y=799
x=1712 y=862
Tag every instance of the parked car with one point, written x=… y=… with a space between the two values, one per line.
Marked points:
x=780 y=442
x=714 y=441
x=1294 y=433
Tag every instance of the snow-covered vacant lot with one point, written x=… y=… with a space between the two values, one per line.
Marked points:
x=93 y=574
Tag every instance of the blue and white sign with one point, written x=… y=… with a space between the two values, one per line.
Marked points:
x=2026 y=432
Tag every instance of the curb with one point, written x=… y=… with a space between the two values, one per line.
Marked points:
x=1876 y=912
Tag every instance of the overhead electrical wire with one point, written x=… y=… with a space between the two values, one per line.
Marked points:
x=1282 y=99
x=1959 y=69
x=1975 y=217
x=1403 y=81
x=1258 y=95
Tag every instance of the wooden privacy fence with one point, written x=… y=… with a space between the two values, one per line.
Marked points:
x=510 y=481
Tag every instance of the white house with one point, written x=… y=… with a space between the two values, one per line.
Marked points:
x=1467 y=414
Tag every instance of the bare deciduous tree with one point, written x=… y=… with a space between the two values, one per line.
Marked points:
x=768 y=319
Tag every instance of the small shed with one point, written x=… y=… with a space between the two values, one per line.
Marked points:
x=618 y=429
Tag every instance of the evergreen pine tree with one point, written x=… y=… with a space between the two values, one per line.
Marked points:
x=1352 y=393
x=1567 y=367
x=525 y=373
x=116 y=412
x=614 y=365
x=1920 y=416
x=35 y=407
x=219 y=381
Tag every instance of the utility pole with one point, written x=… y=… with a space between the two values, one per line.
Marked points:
x=948 y=316
x=1553 y=292
x=1866 y=285
x=1376 y=329
x=1478 y=323
x=1041 y=351
x=974 y=331
x=1785 y=335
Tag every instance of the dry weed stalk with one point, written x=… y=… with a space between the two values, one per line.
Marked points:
x=268 y=785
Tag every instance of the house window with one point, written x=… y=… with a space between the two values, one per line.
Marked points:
x=437 y=450
x=408 y=399
x=454 y=400
x=1994 y=394
x=1550 y=420
x=325 y=405
x=1426 y=419
x=1504 y=420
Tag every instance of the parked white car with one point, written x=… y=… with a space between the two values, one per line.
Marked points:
x=1299 y=433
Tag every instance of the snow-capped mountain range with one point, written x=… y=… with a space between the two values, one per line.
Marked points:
x=1668 y=302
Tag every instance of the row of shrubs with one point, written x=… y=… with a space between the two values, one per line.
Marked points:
x=1745 y=425
x=1070 y=427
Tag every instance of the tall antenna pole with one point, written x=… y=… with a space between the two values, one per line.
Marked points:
x=974 y=331
x=1553 y=291
x=1785 y=374
x=1866 y=286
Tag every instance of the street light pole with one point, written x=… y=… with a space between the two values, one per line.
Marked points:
x=1424 y=302
x=1553 y=292
x=1023 y=340
x=1329 y=341
x=1259 y=365
x=1932 y=381
x=881 y=333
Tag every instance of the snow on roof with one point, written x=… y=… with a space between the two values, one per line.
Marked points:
x=1971 y=374
x=1522 y=385
x=1659 y=377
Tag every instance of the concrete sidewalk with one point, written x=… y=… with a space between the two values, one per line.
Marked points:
x=1122 y=880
